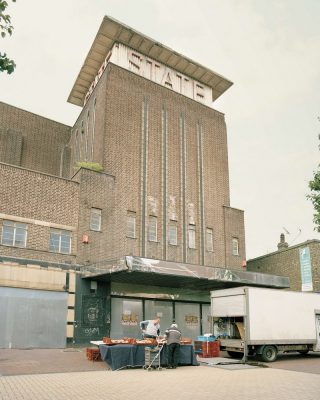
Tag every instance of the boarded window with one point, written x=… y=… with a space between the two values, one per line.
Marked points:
x=173 y=235
x=235 y=246
x=209 y=238
x=95 y=219
x=192 y=237
x=131 y=224
x=152 y=229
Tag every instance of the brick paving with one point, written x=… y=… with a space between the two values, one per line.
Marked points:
x=63 y=374
x=185 y=383
x=40 y=361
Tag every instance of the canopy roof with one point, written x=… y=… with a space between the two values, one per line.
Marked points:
x=112 y=31
x=137 y=270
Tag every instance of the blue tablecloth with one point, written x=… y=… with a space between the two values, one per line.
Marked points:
x=128 y=355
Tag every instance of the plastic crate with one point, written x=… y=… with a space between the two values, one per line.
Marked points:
x=206 y=346
x=211 y=354
x=93 y=354
x=210 y=349
x=206 y=338
x=197 y=346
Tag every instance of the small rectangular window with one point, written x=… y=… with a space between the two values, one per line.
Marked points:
x=60 y=241
x=152 y=229
x=14 y=234
x=192 y=237
x=173 y=235
x=131 y=225
x=209 y=237
x=235 y=246
x=95 y=219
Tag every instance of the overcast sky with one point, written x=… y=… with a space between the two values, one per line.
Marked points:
x=270 y=49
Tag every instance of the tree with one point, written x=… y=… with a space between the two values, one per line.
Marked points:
x=314 y=186
x=6 y=65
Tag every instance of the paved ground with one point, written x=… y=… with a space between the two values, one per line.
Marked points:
x=296 y=362
x=185 y=383
x=56 y=375
x=40 y=361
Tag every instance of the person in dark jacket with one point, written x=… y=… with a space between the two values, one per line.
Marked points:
x=173 y=337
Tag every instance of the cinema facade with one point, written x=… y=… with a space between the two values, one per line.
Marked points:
x=87 y=252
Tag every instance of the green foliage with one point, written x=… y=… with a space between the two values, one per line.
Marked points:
x=314 y=186
x=89 y=165
x=6 y=65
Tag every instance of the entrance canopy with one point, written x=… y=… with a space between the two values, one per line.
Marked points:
x=137 y=270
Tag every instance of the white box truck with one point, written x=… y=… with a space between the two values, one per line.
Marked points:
x=263 y=322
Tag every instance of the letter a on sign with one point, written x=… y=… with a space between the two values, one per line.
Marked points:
x=167 y=81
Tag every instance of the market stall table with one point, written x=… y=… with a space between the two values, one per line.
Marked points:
x=129 y=355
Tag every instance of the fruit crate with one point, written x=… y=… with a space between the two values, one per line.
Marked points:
x=93 y=354
x=210 y=349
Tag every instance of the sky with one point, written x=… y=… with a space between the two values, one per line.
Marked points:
x=270 y=49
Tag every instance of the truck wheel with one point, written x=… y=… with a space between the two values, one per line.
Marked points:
x=269 y=353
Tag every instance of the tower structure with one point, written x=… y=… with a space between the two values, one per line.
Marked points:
x=147 y=119
x=150 y=231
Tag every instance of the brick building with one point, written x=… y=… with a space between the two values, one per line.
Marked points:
x=300 y=263
x=152 y=231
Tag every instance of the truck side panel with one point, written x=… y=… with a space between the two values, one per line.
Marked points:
x=281 y=316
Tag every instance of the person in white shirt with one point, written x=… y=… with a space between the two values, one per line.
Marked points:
x=150 y=328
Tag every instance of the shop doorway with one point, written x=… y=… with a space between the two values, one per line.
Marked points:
x=125 y=317
x=187 y=316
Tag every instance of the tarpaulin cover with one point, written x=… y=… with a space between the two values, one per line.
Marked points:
x=124 y=355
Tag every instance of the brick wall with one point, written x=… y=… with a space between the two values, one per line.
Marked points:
x=164 y=155
x=234 y=223
x=36 y=142
x=87 y=134
x=42 y=201
x=96 y=191
x=287 y=263
x=140 y=115
x=10 y=146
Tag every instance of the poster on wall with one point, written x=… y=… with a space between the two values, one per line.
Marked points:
x=306 y=271
x=191 y=321
x=129 y=319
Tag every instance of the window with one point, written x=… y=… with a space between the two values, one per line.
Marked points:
x=131 y=224
x=192 y=237
x=95 y=219
x=152 y=229
x=235 y=246
x=60 y=241
x=14 y=234
x=209 y=237
x=173 y=235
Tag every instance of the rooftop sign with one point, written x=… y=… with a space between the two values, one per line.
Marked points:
x=112 y=32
